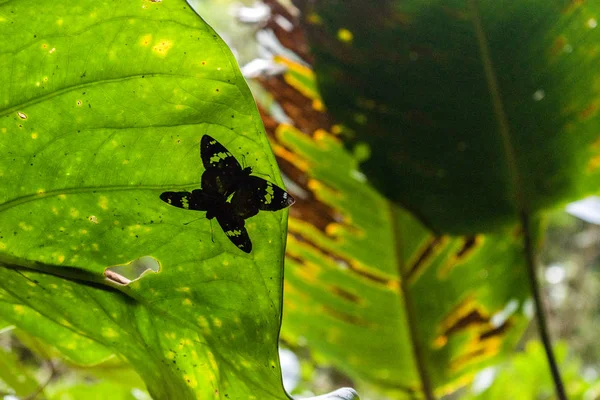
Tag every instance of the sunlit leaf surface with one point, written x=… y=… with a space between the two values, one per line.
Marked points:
x=102 y=107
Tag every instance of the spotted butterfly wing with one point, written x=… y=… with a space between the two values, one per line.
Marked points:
x=215 y=155
x=196 y=200
x=254 y=194
x=229 y=193
x=233 y=226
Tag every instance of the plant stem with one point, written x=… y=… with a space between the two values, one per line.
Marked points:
x=411 y=318
x=539 y=309
x=503 y=129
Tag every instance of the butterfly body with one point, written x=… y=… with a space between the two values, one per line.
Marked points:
x=229 y=193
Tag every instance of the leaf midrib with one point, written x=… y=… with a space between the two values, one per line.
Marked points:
x=56 y=192
x=499 y=111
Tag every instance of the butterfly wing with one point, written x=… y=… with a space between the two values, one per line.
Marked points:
x=215 y=156
x=196 y=200
x=254 y=194
x=217 y=185
x=233 y=226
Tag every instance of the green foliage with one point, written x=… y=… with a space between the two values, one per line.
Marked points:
x=469 y=293
x=102 y=108
x=524 y=376
x=475 y=111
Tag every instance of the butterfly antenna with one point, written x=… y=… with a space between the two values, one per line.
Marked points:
x=189 y=222
x=267 y=175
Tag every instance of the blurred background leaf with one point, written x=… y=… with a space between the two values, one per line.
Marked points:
x=464 y=151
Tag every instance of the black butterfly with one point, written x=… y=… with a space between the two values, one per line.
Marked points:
x=229 y=193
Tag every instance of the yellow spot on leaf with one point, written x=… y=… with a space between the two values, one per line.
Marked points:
x=145 y=40
x=61 y=259
x=2 y=246
x=187 y=302
x=109 y=333
x=345 y=35
x=59 y=22
x=190 y=381
x=298 y=162
x=162 y=47
x=314 y=19
x=593 y=164
x=318 y=105
x=34 y=135
x=333 y=229
x=19 y=309
x=202 y=322
x=217 y=322
x=74 y=212
x=62 y=196
x=25 y=227
x=93 y=219
x=103 y=202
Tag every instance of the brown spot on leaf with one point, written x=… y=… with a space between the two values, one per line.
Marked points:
x=372 y=275
x=589 y=111
x=347 y=318
x=343 y=293
x=427 y=251
x=470 y=244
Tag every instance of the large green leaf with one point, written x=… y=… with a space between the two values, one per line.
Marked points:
x=475 y=111
x=468 y=293
x=102 y=108
x=349 y=249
